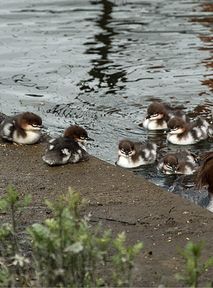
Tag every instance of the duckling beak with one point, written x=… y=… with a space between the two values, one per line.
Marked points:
x=89 y=139
x=175 y=170
x=171 y=168
x=37 y=126
x=148 y=116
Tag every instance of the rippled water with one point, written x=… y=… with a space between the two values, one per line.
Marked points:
x=100 y=63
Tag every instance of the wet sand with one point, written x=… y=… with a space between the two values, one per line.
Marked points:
x=119 y=200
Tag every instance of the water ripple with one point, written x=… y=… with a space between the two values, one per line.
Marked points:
x=100 y=63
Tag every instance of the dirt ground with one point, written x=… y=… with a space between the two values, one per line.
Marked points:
x=121 y=201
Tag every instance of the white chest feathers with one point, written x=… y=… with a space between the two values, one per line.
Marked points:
x=127 y=162
x=186 y=140
x=153 y=125
x=31 y=137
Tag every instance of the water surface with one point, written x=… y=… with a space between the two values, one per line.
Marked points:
x=99 y=64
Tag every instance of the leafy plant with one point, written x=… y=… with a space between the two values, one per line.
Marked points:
x=65 y=250
x=123 y=260
x=69 y=253
x=13 y=262
x=194 y=267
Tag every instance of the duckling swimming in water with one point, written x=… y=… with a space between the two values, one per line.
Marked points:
x=134 y=154
x=181 y=162
x=184 y=133
x=157 y=117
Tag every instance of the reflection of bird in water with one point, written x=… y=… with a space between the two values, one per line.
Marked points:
x=205 y=178
x=104 y=72
x=184 y=186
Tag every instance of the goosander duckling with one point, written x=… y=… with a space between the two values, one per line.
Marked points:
x=181 y=162
x=157 y=117
x=24 y=128
x=205 y=177
x=184 y=133
x=134 y=154
x=67 y=149
x=186 y=168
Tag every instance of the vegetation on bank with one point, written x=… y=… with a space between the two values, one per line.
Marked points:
x=65 y=251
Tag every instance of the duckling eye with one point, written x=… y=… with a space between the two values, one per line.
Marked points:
x=82 y=138
x=34 y=125
x=176 y=128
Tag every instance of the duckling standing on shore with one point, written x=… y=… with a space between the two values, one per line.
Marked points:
x=134 y=154
x=205 y=178
x=157 y=117
x=24 y=128
x=69 y=148
x=184 y=133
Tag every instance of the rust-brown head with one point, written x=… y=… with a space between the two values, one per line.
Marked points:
x=77 y=133
x=126 y=148
x=156 y=111
x=29 y=121
x=177 y=125
x=170 y=162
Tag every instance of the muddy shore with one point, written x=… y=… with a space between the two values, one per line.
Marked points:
x=121 y=201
